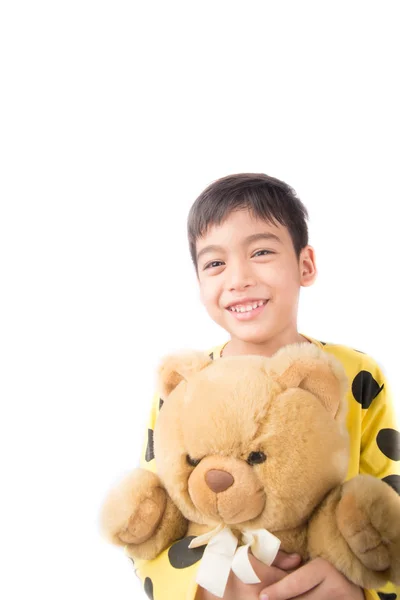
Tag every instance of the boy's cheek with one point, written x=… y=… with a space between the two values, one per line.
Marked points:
x=203 y=296
x=212 y=306
x=208 y=295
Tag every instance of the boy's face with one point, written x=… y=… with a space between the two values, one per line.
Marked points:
x=250 y=278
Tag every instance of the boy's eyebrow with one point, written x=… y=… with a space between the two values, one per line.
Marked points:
x=255 y=237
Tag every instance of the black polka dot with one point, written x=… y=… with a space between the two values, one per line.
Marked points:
x=211 y=355
x=388 y=441
x=150 y=445
x=148 y=588
x=323 y=343
x=365 y=388
x=393 y=481
x=160 y=404
x=181 y=556
x=384 y=596
x=359 y=351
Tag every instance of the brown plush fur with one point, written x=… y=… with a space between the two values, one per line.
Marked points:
x=292 y=408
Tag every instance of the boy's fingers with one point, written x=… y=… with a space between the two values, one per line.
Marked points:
x=286 y=561
x=297 y=583
x=283 y=564
x=268 y=575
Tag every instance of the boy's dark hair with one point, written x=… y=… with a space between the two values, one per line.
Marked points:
x=265 y=197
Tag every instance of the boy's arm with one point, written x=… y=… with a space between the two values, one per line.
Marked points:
x=380 y=444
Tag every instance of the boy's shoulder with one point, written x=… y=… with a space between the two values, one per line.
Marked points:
x=353 y=359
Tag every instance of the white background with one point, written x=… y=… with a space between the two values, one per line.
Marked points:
x=114 y=117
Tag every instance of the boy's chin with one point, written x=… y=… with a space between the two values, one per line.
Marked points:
x=251 y=336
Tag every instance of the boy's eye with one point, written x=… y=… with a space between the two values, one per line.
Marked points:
x=262 y=253
x=193 y=462
x=213 y=264
x=256 y=458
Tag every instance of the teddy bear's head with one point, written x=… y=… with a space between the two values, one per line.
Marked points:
x=249 y=441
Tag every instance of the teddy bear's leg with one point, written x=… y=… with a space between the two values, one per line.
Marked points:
x=349 y=530
x=139 y=514
x=368 y=517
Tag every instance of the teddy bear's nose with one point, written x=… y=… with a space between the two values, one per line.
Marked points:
x=218 y=481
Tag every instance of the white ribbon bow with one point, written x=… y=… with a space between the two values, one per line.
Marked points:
x=221 y=555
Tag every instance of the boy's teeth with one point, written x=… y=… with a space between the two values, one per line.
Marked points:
x=248 y=307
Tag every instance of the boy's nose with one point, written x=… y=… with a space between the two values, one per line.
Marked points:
x=240 y=278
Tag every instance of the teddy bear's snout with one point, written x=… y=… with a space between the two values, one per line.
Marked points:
x=218 y=481
x=226 y=489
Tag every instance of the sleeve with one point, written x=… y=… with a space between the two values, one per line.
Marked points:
x=170 y=576
x=380 y=445
x=147 y=456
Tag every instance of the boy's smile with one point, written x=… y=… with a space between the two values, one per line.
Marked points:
x=250 y=279
x=247 y=309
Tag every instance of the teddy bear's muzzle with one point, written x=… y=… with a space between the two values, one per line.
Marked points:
x=226 y=490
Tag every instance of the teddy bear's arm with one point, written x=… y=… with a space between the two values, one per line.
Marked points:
x=140 y=515
x=357 y=529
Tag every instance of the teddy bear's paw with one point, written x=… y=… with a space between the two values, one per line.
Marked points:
x=143 y=523
x=366 y=542
x=133 y=509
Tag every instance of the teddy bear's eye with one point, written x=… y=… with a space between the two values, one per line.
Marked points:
x=256 y=458
x=193 y=462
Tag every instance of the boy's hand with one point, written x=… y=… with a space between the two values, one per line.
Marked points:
x=236 y=589
x=317 y=580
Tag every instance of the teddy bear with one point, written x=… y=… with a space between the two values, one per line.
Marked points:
x=252 y=452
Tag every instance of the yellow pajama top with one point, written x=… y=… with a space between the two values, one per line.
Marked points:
x=375 y=450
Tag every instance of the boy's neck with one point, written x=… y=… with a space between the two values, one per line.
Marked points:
x=236 y=347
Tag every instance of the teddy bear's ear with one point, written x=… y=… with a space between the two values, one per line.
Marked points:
x=308 y=367
x=176 y=367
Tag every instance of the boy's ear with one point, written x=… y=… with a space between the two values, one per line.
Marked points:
x=308 y=268
x=308 y=367
x=177 y=367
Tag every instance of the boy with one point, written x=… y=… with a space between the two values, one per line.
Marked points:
x=248 y=240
